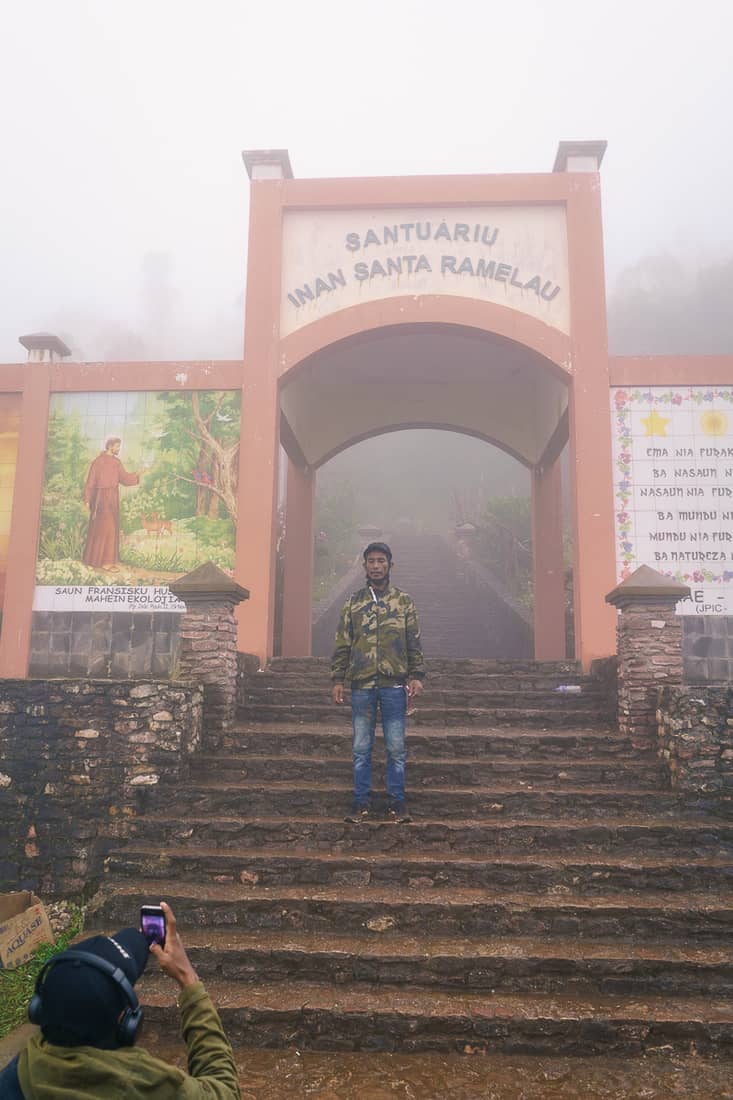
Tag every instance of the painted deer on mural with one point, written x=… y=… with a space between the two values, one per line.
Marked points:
x=154 y=525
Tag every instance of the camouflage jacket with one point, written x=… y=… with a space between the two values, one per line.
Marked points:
x=378 y=641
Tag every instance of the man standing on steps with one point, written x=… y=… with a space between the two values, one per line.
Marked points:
x=378 y=651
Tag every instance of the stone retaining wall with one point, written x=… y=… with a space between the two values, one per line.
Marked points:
x=78 y=759
x=695 y=729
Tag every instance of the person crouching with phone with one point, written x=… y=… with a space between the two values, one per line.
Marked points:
x=89 y=1018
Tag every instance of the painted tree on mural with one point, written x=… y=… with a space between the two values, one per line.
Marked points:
x=64 y=517
x=202 y=431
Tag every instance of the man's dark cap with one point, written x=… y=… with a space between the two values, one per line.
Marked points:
x=80 y=1004
x=379 y=548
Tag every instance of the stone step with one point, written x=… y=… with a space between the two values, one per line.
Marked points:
x=498 y=965
x=594 y=835
x=321 y=1016
x=287 y=739
x=545 y=872
x=283 y=694
x=560 y=717
x=435 y=774
x=332 y=799
x=290 y=1074
x=534 y=679
x=449 y=666
x=693 y=917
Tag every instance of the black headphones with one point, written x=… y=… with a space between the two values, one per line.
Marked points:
x=130 y=1020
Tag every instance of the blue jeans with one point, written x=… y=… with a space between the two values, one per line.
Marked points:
x=393 y=706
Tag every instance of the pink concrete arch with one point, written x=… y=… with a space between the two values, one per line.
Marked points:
x=553 y=346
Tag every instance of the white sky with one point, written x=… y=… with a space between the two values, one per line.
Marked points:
x=122 y=125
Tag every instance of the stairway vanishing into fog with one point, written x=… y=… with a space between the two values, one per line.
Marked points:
x=457 y=618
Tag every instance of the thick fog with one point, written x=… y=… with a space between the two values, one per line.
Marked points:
x=124 y=199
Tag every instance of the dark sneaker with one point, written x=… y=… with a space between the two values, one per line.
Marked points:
x=359 y=812
x=399 y=812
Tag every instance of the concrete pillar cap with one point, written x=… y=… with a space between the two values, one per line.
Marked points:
x=265 y=164
x=579 y=156
x=208 y=583
x=646 y=585
x=44 y=342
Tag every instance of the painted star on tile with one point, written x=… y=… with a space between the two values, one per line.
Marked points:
x=655 y=424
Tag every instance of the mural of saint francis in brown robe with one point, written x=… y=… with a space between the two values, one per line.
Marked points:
x=102 y=495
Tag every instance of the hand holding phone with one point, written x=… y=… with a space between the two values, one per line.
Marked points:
x=152 y=924
x=172 y=958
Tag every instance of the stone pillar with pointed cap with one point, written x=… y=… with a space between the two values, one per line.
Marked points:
x=649 y=648
x=208 y=647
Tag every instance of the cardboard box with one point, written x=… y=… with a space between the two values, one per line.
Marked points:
x=24 y=926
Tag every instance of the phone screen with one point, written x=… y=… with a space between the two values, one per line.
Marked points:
x=152 y=925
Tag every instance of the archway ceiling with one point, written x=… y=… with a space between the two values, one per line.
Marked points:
x=458 y=379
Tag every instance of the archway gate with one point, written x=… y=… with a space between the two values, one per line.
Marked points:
x=471 y=303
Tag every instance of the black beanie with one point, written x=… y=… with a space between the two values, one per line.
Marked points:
x=80 y=1004
x=379 y=548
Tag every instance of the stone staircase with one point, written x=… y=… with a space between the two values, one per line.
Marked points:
x=457 y=692
x=551 y=895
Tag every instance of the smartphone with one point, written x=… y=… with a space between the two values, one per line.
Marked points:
x=152 y=924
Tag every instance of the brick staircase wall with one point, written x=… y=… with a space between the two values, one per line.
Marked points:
x=78 y=760
x=695 y=737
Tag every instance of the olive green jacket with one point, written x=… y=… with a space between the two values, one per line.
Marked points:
x=49 y=1072
x=378 y=640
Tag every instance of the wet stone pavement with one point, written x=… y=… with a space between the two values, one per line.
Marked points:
x=288 y=1074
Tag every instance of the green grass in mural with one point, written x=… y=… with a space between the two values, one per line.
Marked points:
x=181 y=547
x=62 y=544
x=177 y=551
x=63 y=530
x=69 y=571
x=155 y=559
x=214 y=532
x=16 y=986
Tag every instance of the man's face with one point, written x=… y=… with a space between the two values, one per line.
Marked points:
x=114 y=448
x=377 y=567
